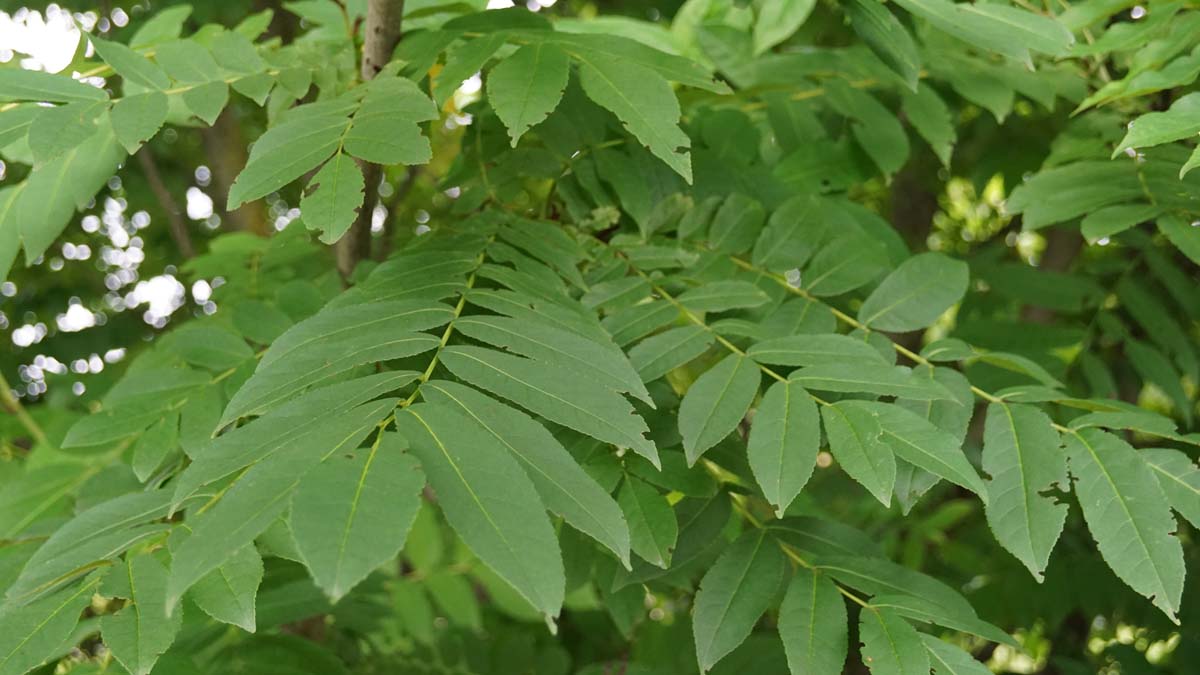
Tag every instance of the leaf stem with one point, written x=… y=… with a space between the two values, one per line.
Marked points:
x=739 y=505
x=458 y=310
x=691 y=316
x=12 y=405
x=855 y=323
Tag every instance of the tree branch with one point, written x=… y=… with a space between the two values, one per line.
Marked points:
x=388 y=241
x=380 y=35
x=14 y=407
x=226 y=152
x=175 y=223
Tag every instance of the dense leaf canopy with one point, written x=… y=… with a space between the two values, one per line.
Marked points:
x=730 y=336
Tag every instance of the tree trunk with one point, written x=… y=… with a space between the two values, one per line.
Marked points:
x=176 y=225
x=1063 y=244
x=380 y=35
x=226 y=150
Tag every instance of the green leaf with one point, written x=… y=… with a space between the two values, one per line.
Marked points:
x=631 y=323
x=659 y=354
x=333 y=198
x=19 y=84
x=1128 y=515
x=812 y=624
x=206 y=100
x=210 y=347
x=166 y=24
x=227 y=593
x=489 y=501
x=119 y=421
x=915 y=294
x=922 y=609
x=33 y=633
x=888 y=38
x=464 y=61
x=675 y=475
x=236 y=52
x=1192 y=162
x=1019 y=364
x=56 y=190
x=528 y=308
x=617 y=293
x=653 y=529
x=527 y=86
x=736 y=224
x=131 y=65
x=455 y=595
x=777 y=20
x=847 y=263
x=931 y=118
x=697 y=219
x=716 y=403
x=623 y=52
x=15 y=121
x=734 y=593
x=352 y=513
x=952 y=415
x=791 y=235
x=1179 y=479
x=414 y=611
x=293 y=425
x=1022 y=453
x=1002 y=29
x=1182 y=234
x=812 y=350
x=262 y=493
x=890 y=645
x=1181 y=120
x=784 y=438
x=10 y=235
x=565 y=488
x=187 y=62
x=155 y=445
x=100 y=533
x=549 y=243
x=822 y=537
x=914 y=439
x=1111 y=220
x=571 y=402
x=877 y=130
x=62 y=128
x=871 y=377
x=286 y=152
x=332 y=342
x=1155 y=368
x=947 y=659
x=879 y=576
x=563 y=350
x=1134 y=419
x=724 y=295
x=141 y=631
x=135 y=119
x=1154 y=316
x=856 y=442
x=645 y=104
x=1073 y=190
x=386 y=129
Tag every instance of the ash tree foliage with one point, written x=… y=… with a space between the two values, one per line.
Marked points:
x=715 y=336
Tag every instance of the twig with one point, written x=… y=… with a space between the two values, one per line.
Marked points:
x=175 y=223
x=13 y=406
x=380 y=35
x=388 y=242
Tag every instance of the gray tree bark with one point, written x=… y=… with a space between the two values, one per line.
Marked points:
x=380 y=35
